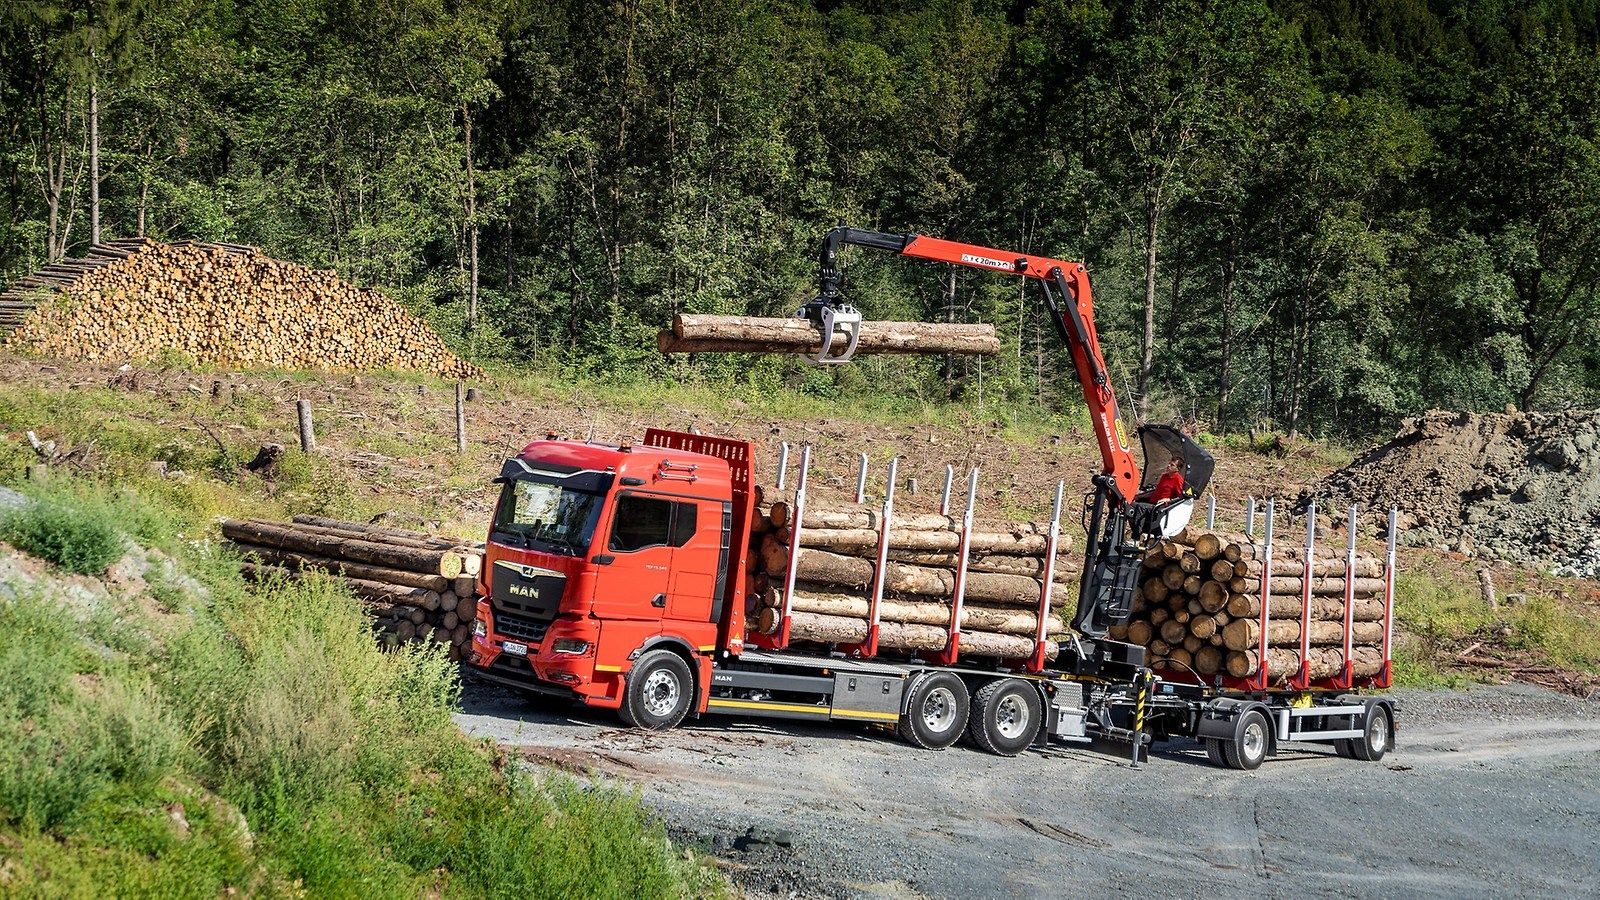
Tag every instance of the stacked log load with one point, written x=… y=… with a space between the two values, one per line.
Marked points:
x=1198 y=608
x=838 y=560
x=220 y=304
x=417 y=586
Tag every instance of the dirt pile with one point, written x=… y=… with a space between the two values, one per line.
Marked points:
x=219 y=304
x=1513 y=486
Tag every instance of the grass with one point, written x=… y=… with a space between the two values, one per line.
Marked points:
x=252 y=738
x=72 y=532
x=1442 y=616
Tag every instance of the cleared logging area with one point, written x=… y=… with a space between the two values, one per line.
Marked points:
x=220 y=304
x=417 y=586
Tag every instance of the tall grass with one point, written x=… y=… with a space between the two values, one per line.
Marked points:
x=265 y=745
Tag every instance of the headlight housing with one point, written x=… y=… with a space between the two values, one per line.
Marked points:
x=570 y=646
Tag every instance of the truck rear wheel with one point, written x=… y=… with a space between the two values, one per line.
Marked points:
x=1248 y=747
x=1005 y=716
x=657 y=691
x=937 y=712
x=1375 y=742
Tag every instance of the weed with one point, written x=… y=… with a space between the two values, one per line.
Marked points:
x=72 y=533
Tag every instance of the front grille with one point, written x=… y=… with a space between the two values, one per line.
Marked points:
x=519 y=627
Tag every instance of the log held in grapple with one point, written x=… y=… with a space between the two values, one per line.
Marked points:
x=751 y=334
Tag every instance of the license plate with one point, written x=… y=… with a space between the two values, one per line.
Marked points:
x=516 y=649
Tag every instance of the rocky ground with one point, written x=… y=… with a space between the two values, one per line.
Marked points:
x=1493 y=791
x=1521 y=487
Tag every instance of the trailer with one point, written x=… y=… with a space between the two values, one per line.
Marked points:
x=614 y=578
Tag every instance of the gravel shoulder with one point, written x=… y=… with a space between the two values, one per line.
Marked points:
x=1493 y=790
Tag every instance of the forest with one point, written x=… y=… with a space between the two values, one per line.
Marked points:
x=1313 y=217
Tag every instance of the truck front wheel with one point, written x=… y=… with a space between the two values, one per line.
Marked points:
x=937 y=712
x=658 y=691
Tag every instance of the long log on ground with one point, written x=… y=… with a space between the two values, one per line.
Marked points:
x=862 y=540
x=1322 y=663
x=1243 y=634
x=397 y=536
x=751 y=334
x=293 y=560
x=266 y=534
x=1242 y=606
x=822 y=567
x=979 y=618
x=896 y=636
x=387 y=595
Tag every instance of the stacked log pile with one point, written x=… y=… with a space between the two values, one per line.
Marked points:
x=417 y=586
x=1198 y=608
x=220 y=304
x=751 y=334
x=838 y=562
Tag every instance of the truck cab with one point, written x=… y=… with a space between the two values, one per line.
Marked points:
x=599 y=555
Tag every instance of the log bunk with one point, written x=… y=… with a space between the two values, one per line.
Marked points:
x=417 y=587
x=218 y=303
x=871 y=582
x=1325 y=623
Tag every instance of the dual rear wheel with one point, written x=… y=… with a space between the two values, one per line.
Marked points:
x=1002 y=717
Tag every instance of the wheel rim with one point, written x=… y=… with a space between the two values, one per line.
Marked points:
x=1255 y=740
x=939 y=709
x=660 y=693
x=1011 y=717
x=1378 y=732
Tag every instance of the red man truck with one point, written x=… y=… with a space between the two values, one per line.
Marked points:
x=615 y=577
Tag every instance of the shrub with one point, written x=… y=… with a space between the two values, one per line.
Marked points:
x=73 y=534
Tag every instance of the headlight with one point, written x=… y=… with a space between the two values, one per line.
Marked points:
x=479 y=629
x=571 y=646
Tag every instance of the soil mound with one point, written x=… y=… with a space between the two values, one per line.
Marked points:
x=1513 y=486
x=219 y=304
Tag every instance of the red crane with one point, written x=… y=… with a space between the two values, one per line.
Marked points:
x=1118 y=522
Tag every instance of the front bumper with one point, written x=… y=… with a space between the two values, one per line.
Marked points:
x=542 y=669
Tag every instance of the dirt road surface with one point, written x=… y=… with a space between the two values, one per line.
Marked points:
x=1492 y=792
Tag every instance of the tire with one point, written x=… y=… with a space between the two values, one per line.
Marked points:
x=1344 y=749
x=936 y=714
x=1005 y=716
x=1248 y=747
x=1214 y=751
x=657 y=691
x=1379 y=736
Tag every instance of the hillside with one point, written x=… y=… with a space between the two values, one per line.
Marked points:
x=386 y=451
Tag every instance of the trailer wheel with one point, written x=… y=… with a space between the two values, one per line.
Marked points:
x=1214 y=752
x=657 y=692
x=1005 y=716
x=1249 y=745
x=1372 y=745
x=937 y=712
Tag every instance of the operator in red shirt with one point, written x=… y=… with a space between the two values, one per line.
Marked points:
x=1170 y=486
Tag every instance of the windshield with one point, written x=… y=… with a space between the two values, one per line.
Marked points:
x=547 y=517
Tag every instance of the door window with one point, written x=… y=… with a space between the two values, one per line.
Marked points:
x=643 y=522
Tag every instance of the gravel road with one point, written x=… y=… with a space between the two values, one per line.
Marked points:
x=1493 y=791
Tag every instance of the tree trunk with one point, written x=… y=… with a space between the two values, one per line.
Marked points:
x=472 y=222
x=821 y=567
x=1249 y=606
x=1147 y=340
x=980 y=618
x=430 y=562
x=1242 y=634
x=1229 y=271
x=94 y=156
x=290 y=559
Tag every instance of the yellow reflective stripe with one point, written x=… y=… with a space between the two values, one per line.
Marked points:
x=708 y=648
x=751 y=704
x=866 y=714
x=608 y=668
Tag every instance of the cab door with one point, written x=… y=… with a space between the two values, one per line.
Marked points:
x=633 y=577
x=699 y=538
